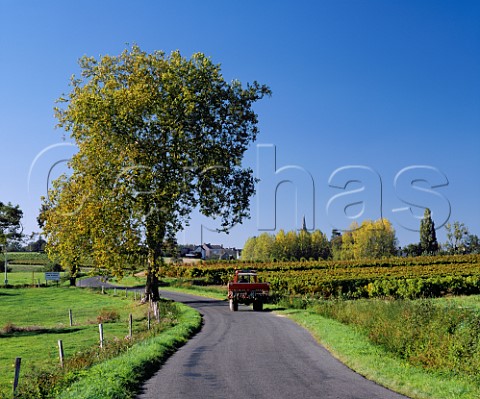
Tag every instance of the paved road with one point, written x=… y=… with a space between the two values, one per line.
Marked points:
x=259 y=355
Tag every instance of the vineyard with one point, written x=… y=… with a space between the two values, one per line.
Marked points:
x=26 y=258
x=393 y=277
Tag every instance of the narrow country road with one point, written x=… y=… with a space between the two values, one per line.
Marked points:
x=248 y=354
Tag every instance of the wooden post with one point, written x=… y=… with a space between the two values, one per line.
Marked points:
x=157 y=311
x=103 y=290
x=60 y=352
x=18 y=362
x=114 y=291
x=100 y=329
x=148 y=320
x=130 y=326
x=70 y=316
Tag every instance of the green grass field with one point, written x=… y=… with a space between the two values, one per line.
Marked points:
x=43 y=316
x=21 y=278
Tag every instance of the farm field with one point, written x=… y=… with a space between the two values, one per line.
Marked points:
x=32 y=321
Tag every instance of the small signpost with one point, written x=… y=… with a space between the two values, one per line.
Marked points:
x=52 y=276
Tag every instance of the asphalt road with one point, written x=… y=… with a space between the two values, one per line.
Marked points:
x=248 y=355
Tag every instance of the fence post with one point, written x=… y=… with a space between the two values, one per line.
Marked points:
x=115 y=292
x=70 y=316
x=103 y=290
x=148 y=320
x=130 y=326
x=18 y=362
x=60 y=352
x=100 y=329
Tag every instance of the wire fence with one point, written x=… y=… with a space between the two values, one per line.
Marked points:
x=68 y=331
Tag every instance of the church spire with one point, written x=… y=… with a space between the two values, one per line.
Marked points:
x=304 y=224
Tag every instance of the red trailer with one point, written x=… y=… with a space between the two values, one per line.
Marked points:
x=245 y=288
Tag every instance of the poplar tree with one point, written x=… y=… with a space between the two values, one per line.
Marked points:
x=428 y=237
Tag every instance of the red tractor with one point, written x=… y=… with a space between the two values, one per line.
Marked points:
x=245 y=288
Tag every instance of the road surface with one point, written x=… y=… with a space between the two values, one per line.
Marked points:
x=254 y=355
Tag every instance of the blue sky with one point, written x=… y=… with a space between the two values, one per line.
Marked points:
x=367 y=95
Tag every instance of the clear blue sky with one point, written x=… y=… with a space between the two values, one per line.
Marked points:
x=386 y=85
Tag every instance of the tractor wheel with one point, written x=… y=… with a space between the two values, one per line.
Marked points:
x=233 y=305
x=258 y=306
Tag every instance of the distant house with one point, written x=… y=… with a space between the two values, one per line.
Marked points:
x=214 y=251
x=186 y=250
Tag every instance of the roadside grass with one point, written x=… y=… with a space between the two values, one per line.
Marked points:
x=213 y=291
x=438 y=336
x=128 y=281
x=353 y=347
x=32 y=320
x=176 y=285
x=120 y=377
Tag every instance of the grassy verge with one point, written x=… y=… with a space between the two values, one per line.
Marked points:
x=372 y=361
x=174 y=285
x=213 y=291
x=120 y=377
x=353 y=348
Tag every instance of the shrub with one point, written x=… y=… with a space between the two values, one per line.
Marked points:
x=108 y=316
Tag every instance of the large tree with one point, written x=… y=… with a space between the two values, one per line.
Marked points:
x=158 y=136
x=428 y=237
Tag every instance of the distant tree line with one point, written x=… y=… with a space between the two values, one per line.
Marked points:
x=287 y=246
x=370 y=240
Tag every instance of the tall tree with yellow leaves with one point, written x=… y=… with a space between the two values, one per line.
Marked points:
x=158 y=136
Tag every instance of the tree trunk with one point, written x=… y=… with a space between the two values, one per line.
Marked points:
x=155 y=233
x=73 y=274
x=151 y=287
